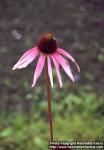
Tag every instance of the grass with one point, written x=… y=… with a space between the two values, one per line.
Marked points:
x=76 y=117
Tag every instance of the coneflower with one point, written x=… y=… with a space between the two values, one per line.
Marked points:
x=48 y=52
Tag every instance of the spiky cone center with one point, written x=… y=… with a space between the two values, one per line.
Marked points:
x=47 y=44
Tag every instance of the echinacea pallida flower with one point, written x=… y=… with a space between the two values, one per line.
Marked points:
x=47 y=49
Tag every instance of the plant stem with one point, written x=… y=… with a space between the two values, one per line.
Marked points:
x=48 y=88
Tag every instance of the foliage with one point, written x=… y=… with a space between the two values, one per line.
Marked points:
x=76 y=117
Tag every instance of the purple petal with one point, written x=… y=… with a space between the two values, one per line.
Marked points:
x=39 y=68
x=63 y=52
x=28 y=52
x=26 y=59
x=65 y=65
x=56 y=64
x=50 y=71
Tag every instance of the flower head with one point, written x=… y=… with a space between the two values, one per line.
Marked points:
x=47 y=48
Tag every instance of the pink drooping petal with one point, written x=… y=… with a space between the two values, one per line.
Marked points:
x=28 y=52
x=25 y=64
x=63 y=52
x=56 y=64
x=39 y=68
x=65 y=65
x=50 y=71
x=26 y=59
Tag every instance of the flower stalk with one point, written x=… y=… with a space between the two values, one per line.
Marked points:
x=48 y=88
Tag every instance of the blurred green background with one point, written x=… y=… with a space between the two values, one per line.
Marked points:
x=78 y=109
